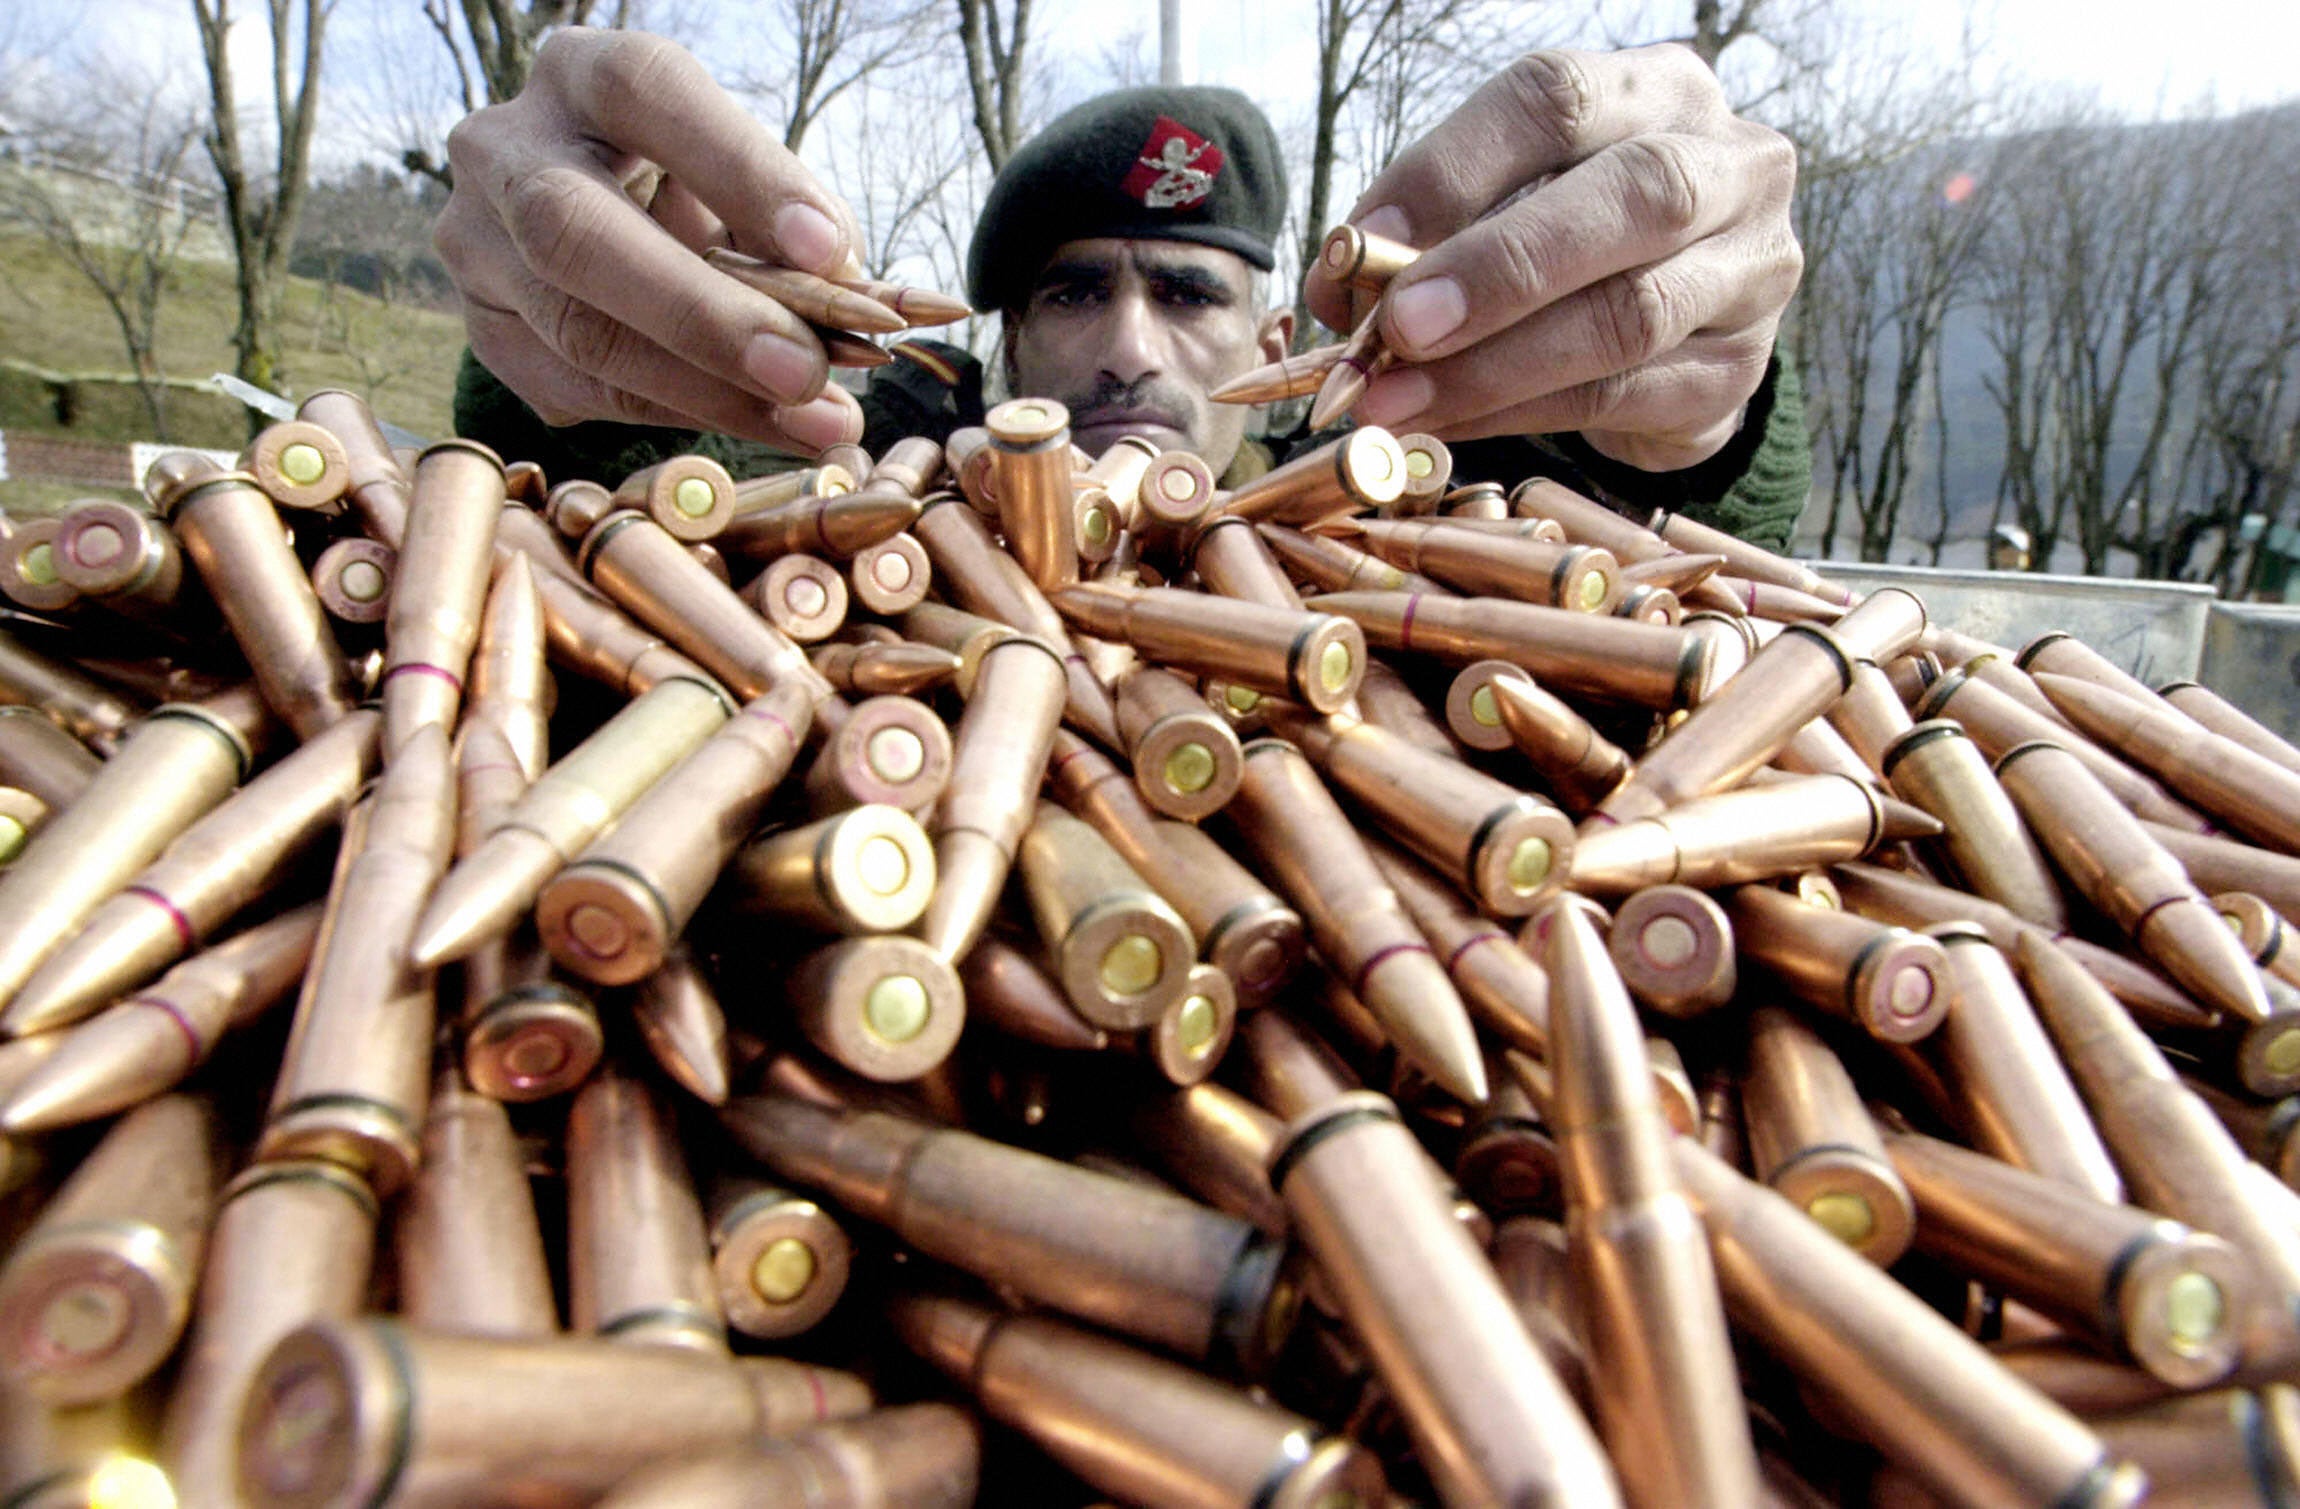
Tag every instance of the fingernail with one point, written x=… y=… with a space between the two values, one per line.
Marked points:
x=826 y=422
x=780 y=365
x=806 y=237
x=1394 y=397
x=1388 y=221
x=1427 y=313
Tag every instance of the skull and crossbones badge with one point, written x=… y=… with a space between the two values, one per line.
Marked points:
x=1175 y=168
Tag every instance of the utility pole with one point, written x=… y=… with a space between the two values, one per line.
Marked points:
x=1169 y=42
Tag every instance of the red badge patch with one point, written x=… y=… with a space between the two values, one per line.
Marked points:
x=1175 y=168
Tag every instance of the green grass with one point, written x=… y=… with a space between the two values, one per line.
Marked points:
x=402 y=358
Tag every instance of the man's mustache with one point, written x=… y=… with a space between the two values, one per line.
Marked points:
x=1154 y=394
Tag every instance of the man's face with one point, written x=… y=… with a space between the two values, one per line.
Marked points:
x=1131 y=335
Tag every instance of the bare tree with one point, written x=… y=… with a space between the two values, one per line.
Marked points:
x=104 y=183
x=820 y=49
x=492 y=46
x=261 y=207
x=997 y=48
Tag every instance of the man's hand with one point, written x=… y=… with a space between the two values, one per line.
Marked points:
x=575 y=234
x=1606 y=248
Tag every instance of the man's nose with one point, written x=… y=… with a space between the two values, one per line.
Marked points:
x=1133 y=338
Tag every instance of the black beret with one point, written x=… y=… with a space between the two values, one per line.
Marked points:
x=1181 y=164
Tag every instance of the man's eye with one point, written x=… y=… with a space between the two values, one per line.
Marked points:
x=1190 y=296
x=1073 y=296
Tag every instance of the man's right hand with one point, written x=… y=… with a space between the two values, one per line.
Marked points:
x=576 y=230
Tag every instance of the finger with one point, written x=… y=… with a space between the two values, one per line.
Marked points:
x=1635 y=204
x=646 y=95
x=677 y=210
x=582 y=238
x=1543 y=113
x=1631 y=318
x=1688 y=404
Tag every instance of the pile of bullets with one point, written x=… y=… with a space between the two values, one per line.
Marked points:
x=979 y=970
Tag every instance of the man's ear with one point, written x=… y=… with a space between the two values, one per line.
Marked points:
x=1274 y=336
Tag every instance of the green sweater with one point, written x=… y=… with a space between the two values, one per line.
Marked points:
x=1755 y=487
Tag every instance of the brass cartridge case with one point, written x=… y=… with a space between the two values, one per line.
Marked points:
x=1752 y=561
x=574 y=506
x=21 y=816
x=1008 y=991
x=1362 y=260
x=1888 y=981
x=378 y=490
x=154 y=1039
x=1509 y=849
x=1487 y=1415
x=2220 y=864
x=2176 y=1158
x=2264 y=1129
x=28 y=566
x=511 y=686
x=2013 y=1096
x=357 y=1068
x=2168 y=1298
x=212 y=870
x=1241 y=927
x=638 y=1254
x=1502 y=986
x=1581 y=765
x=1938 y=767
x=1811 y=1139
x=1870 y=715
x=2219 y=777
x=1327 y=564
x=353 y=579
x=1187 y=1042
x=2059 y=653
x=583 y=631
x=38 y=756
x=998 y=761
x=1999 y=724
x=1095 y=525
x=1216 y=1144
x=691 y=496
x=1740 y=727
x=1353 y=915
x=1661 y=1368
x=983 y=579
x=876 y=668
x=1232 y=561
x=2261 y=932
x=613 y=914
x=1031 y=479
x=1121 y=953
x=87 y=710
x=302 y=465
x=176 y=764
x=95 y=1295
x=1615 y=660
x=892 y=576
x=1508 y=1163
x=804 y=597
x=433 y=623
x=779 y=1259
x=886 y=1007
x=1316 y=659
x=1753 y=833
x=1176 y=495
x=292 y=1242
x=1429 y=471
x=1202 y=1284
x=1364 y=469
x=562 y=813
x=232 y=533
x=891 y=750
x=367 y=1411
x=1529 y=1257
x=912 y=1456
x=1892 y=1368
x=1674 y=948
x=818 y=301
x=868 y=869
x=2235 y=1448
x=2229 y=721
x=639 y=565
x=1184 y=755
x=1288 y=1069
x=128 y=561
x=1118 y=473
x=1588 y=521
x=2113 y=863
x=1387 y=701
x=966 y=458
x=684 y=1027
x=1144 y=1429
x=468 y=1247
x=1582 y=578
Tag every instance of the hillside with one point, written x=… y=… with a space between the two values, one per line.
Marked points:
x=402 y=358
